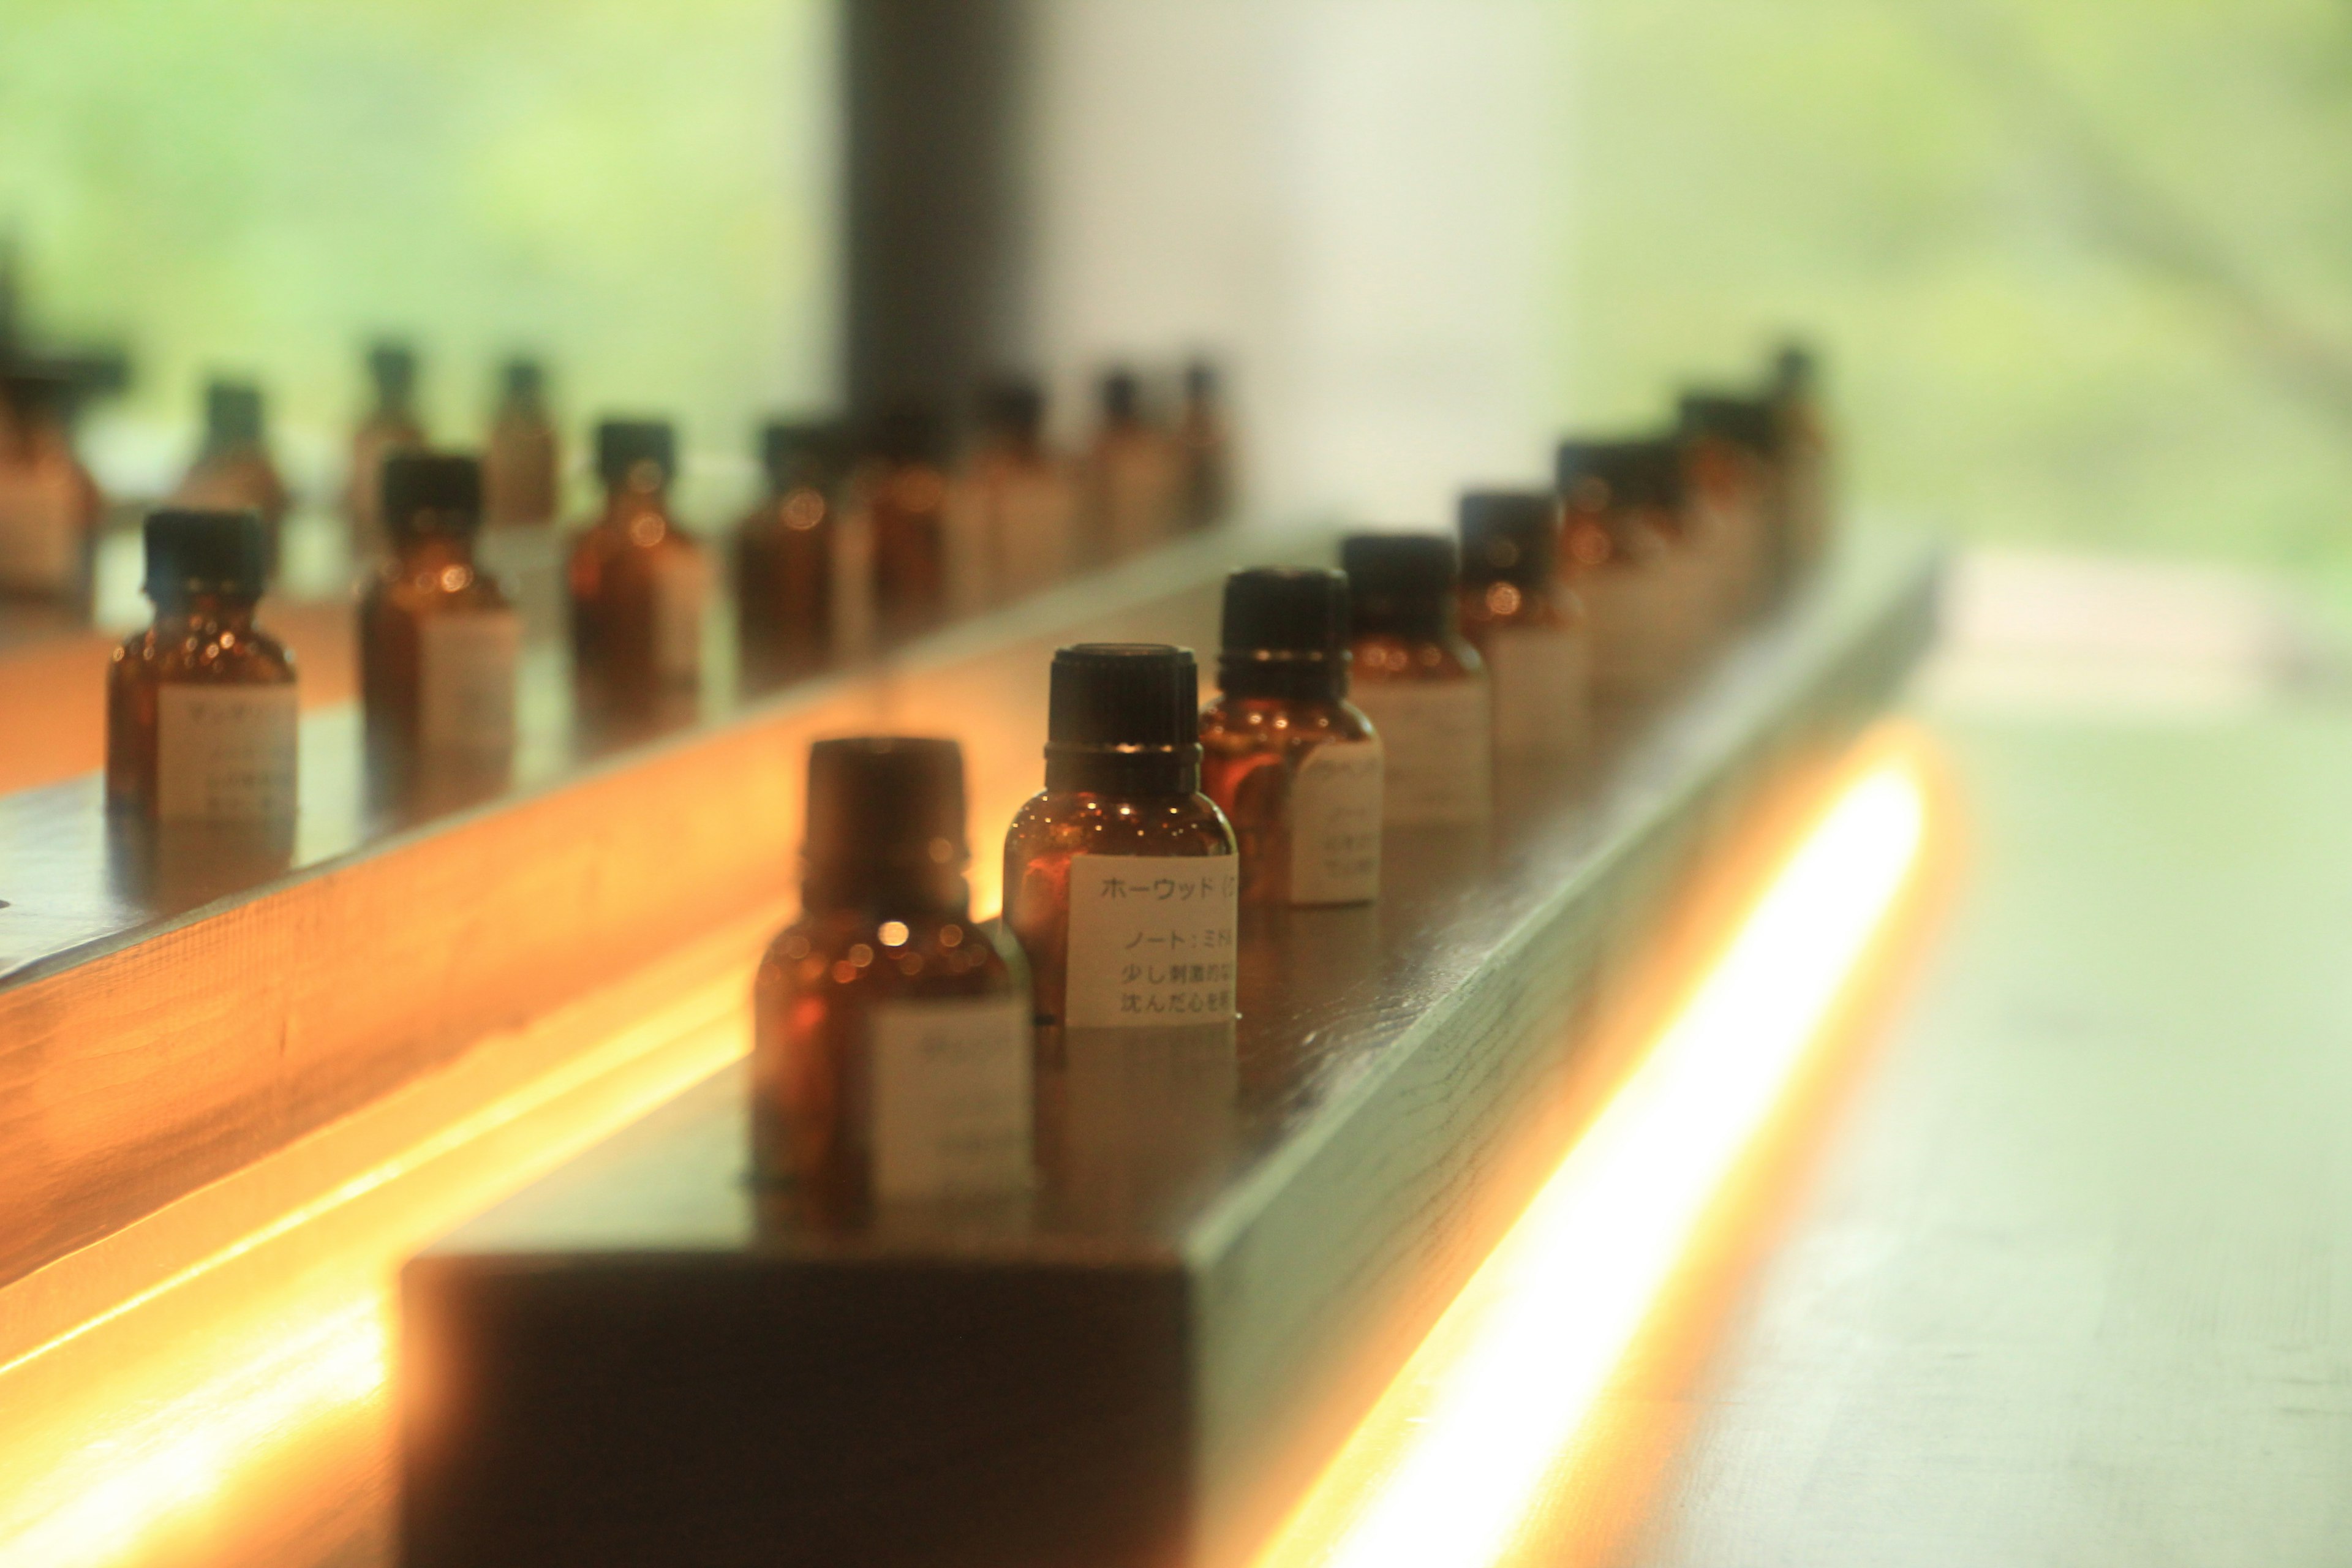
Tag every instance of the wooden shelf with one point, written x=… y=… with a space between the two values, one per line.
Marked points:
x=642 y=1359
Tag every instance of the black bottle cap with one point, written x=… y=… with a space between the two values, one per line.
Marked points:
x=191 y=550
x=886 y=815
x=1285 y=632
x=797 y=453
x=625 y=448
x=432 y=492
x=1402 y=583
x=1749 y=422
x=525 y=379
x=393 y=367
x=1124 y=718
x=907 y=432
x=1795 y=369
x=1013 y=407
x=1122 y=395
x=1509 y=536
x=1617 y=476
x=232 y=415
x=1202 y=382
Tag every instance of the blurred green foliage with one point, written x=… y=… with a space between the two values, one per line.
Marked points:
x=2082 y=268
x=638 y=191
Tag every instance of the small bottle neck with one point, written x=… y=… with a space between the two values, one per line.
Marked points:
x=1417 y=621
x=234 y=611
x=1133 y=771
x=431 y=547
x=886 y=892
x=1310 y=679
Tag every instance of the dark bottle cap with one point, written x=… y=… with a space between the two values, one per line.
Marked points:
x=797 y=453
x=193 y=552
x=432 y=492
x=1796 y=369
x=232 y=415
x=906 y=433
x=524 y=379
x=886 y=821
x=1509 y=536
x=1749 y=422
x=1122 y=395
x=1202 y=382
x=1124 y=718
x=1620 y=476
x=1012 y=407
x=626 y=448
x=1285 y=634
x=1402 y=583
x=393 y=367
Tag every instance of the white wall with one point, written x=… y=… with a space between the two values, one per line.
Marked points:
x=1359 y=202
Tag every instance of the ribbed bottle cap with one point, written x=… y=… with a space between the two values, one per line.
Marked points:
x=1285 y=632
x=1124 y=716
x=393 y=367
x=1748 y=422
x=232 y=415
x=808 y=452
x=907 y=432
x=623 y=445
x=1400 y=582
x=1609 y=476
x=432 y=492
x=885 y=808
x=1509 y=536
x=1122 y=395
x=191 y=550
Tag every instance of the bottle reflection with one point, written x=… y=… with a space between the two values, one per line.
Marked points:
x=1134 y=1125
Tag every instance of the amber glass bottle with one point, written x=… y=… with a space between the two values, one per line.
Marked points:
x=784 y=556
x=439 y=644
x=233 y=471
x=1294 y=765
x=521 y=469
x=1424 y=688
x=1528 y=628
x=200 y=708
x=50 y=506
x=389 y=425
x=1204 y=445
x=1620 y=501
x=1013 y=512
x=899 y=493
x=892 y=1059
x=1732 y=511
x=1132 y=476
x=1120 y=878
x=1807 y=489
x=638 y=583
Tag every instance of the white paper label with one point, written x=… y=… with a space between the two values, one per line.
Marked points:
x=466 y=681
x=38 y=536
x=681 y=587
x=951 y=1098
x=1151 y=940
x=1541 y=677
x=1334 y=824
x=1436 y=737
x=225 y=754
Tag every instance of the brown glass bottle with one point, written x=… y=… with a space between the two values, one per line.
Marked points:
x=233 y=471
x=1422 y=685
x=1120 y=878
x=1013 y=511
x=200 y=708
x=638 y=583
x=784 y=556
x=1733 y=513
x=1294 y=765
x=1204 y=445
x=1807 y=489
x=50 y=506
x=899 y=493
x=1620 y=501
x=439 y=644
x=1527 y=625
x=522 y=468
x=1132 y=476
x=389 y=425
x=893 y=1057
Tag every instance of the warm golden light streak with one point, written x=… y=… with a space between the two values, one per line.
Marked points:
x=1441 y=1472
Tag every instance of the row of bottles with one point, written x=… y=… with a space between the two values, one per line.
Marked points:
x=900 y=1040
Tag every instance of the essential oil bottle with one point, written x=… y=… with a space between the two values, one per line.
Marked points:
x=1014 y=508
x=200 y=708
x=638 y=583
x=389 y=425
x=1529 y=629
x=1296 y=768
x=1620 y=502
x=439 y=644
x=1121 y=880
x=1732 y=512
x=49 y=505
x=1132 y=479
x=234 y=470
x=900 y=492
x=1806 y=487
x=1422 y=685
x=786 y=554
x=1204 y=445
x=521 y=468
x=893 y=1054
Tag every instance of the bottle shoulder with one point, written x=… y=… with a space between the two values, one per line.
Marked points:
x=852 y=954
x=1385 y=658
x=1081 y=822
x=1239 y=724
